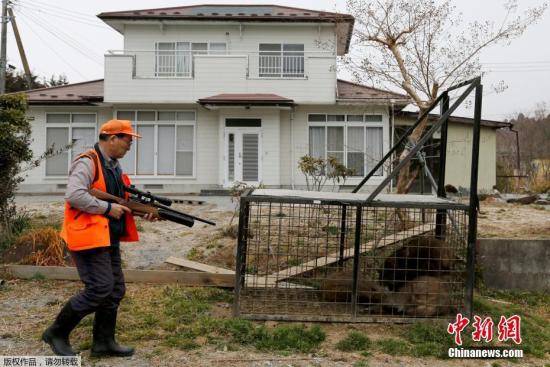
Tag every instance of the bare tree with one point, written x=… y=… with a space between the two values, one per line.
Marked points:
x=423 y=47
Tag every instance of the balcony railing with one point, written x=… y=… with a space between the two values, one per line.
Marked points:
x=181 y=63
x=281 y=66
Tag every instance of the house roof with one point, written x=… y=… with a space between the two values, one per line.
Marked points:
x=352 y=91
x=76 y=93
x=410 y=115
x=240 y=13
x=246 y=99
x=92 y=91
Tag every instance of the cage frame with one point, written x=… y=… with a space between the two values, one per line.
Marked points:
x=359 y=203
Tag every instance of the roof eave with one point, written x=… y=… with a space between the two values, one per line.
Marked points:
x=62 y=102
x=245 y=102
x=385 y=101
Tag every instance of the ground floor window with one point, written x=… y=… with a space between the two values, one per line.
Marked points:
x=167 y=146
x=61 y=130
x=354 y=140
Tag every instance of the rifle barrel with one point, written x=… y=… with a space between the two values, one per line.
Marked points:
x=160 y=206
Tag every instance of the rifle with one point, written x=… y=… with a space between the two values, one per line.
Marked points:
x=141 y=203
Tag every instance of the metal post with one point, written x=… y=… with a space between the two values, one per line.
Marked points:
x=21 y=49
x=474 y=203
x=240 y=270
x=421 y=142
x=356 y=253
x=342 y=234
x=3 y=41
x=396 y=145
x=440 y=218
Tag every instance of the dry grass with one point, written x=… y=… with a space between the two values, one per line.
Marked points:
x=45 y=245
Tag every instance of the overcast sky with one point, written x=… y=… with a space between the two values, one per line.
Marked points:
x=64 y=36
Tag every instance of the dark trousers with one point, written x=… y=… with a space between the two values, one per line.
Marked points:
x=101 y=272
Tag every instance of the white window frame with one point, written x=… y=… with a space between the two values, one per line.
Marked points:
x=281 y=56
x=190 y=54
x=345 y=124
x=155 y=124
x=68 y=125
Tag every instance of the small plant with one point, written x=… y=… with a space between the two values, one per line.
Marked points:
x=236 y=191
x=353 y=342
x=230 y=231
x=318 y=171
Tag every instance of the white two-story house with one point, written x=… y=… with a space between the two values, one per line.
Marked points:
x=225 y=93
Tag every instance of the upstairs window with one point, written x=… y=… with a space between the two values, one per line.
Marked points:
x=281 y=60
x=174 y=59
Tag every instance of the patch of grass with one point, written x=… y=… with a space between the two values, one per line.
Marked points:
x=393 y=346
x=532 y=299
x=361 y=363
x=243 y=331
x=212 y=244
x=354 y=341
x=331 y=230
x=429 y=339
x=194 y=254
x=535 y=328
x=292 y=338
x=38 y=276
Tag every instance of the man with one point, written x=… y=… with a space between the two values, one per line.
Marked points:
x=93 y=229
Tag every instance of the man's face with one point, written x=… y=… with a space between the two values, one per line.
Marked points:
x=120 y=145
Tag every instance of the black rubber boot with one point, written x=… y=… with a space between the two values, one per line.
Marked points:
x=104 y=343
x=57 y=335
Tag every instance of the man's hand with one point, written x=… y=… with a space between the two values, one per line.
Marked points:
x=117 y=210
x=150 y=217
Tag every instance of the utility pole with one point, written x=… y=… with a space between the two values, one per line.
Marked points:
x=3 y=40
x=21 y=49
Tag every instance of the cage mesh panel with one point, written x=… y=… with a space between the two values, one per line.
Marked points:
x=298 y=261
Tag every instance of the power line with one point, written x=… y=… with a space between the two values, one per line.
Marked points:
x=78 y=47
x=61 y=16
x=44 y=42
x=68 y=40
x=72 y=12
x=67 y=37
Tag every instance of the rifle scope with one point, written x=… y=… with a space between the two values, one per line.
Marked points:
x=142 y=194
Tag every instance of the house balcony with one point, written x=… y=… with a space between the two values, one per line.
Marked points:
x=186 y=76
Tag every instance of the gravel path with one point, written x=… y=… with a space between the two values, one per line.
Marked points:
x=158 y=240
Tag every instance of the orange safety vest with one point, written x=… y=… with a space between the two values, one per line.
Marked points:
x=83 y=231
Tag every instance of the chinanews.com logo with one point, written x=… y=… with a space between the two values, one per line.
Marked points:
x=507 y=329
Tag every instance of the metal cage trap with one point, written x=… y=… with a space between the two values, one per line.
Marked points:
x=353 y=257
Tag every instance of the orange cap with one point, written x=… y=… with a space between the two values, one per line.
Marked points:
x=118 y=127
